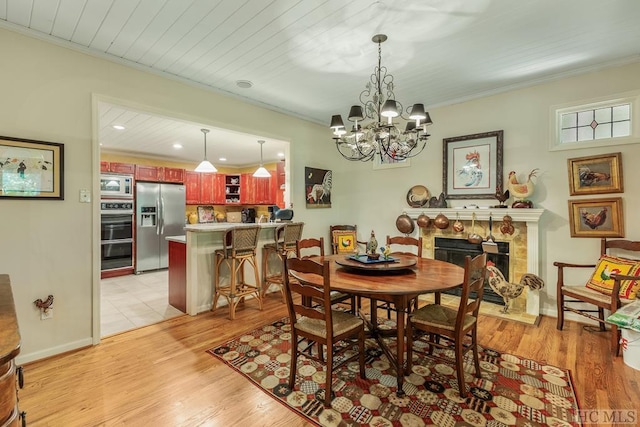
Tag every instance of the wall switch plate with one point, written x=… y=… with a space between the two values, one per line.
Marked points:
x=85 y=196
x=46 y=314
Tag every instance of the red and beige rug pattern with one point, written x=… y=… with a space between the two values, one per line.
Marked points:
x=513 y=391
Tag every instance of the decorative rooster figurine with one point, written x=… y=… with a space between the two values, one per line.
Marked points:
x=507 y=290
x=521 y=192
x=44 y=305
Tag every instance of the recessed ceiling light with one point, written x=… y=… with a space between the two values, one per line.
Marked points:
x=177 y=146
x=244 y=84
x=118 y=127
x=223 y=159
x=280 y=154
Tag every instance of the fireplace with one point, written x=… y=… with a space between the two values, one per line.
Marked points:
x=523 y=253
x=455 y=250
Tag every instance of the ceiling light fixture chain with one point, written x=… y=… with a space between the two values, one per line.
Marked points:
x=377 y=137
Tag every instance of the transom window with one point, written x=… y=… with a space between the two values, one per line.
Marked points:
x=597 y=123
x=601 y=123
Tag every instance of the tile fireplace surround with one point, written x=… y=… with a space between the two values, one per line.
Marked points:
x=523 y=243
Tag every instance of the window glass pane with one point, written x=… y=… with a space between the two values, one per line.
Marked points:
x=569 y=120
x=603 y=131
x=603 y=115
x=568 y=135
x=585 y=118
x=621 y=129
x=585 y=133
x=621 y=112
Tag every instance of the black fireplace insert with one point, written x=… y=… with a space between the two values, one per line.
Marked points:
x=455 y=250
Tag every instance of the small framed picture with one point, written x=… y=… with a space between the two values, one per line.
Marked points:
x=31 y=169
x=383 y=161
x=472 y=165
x=596 y=217
x=595 y=174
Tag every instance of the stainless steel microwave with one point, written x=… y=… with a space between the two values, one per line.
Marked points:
x=116 y=186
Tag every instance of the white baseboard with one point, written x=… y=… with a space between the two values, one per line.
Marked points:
x=53 y=351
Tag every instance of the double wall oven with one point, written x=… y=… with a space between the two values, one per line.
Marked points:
x=116 y=234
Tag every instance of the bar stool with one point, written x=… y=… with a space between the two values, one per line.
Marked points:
x=239 y=247
x=284 y=246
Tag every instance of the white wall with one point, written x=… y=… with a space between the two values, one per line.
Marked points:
x=48 y=245
x=378 y=197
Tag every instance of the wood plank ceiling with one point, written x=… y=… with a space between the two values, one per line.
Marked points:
x=311 y=59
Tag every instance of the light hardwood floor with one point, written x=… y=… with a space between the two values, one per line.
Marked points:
x=160 y=375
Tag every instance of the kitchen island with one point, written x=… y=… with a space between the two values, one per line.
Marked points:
x=201 y=242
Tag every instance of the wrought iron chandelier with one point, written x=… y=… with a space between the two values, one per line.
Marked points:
x=370 y=135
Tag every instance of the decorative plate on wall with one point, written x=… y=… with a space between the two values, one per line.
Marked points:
x=418 y=196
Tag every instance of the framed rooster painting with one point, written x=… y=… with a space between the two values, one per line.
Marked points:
x=317 y=185
x=472 y=166
x=596 y=217
x=595 y=174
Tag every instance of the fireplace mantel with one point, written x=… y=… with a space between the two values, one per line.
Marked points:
x=529 y=216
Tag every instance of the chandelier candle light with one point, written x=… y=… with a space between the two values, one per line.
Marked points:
x=377 y=136
x=205 y=165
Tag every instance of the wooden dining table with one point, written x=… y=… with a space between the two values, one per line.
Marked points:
x=398 y=286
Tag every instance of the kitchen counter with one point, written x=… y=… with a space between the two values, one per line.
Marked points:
x=202 y=241
x=177 y=239
x=220 y=226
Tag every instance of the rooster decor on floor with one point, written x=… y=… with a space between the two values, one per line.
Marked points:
x=509 y=291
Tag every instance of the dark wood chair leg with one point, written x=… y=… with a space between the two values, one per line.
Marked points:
x=560 y=322
x=601 y=317
x=460 y=367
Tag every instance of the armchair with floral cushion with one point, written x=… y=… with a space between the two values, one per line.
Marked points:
x=615 y=282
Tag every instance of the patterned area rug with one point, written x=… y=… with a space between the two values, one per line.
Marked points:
x=512 y=390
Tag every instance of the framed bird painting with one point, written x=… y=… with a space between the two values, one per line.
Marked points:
x=31 y=169
x=472 y=165
x=317 y=185
x=596 y=217
x=595 y=174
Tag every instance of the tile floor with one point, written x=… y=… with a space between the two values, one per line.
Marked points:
x=133 y=301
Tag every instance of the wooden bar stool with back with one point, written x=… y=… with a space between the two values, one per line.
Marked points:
x=284 y=246
x=239 y=248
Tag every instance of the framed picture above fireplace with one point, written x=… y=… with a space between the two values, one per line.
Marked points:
x=472 y=165
x=596 y=217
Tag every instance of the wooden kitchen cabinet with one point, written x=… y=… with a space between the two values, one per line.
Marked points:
x=219 y=189
x=192 y=187
x=207 y=183
x=159 y=174
x=175 y=175
x=204 y=188
x=178 y=275
x=117 y=167
x=147 y=173
x=235 y=189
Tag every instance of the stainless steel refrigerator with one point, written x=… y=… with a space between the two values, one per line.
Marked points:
x=160 y=212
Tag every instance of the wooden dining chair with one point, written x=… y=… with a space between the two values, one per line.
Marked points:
x=303 y=246
x=453 y=325
x=344 y=239
x=323 y=326
x=404 y=245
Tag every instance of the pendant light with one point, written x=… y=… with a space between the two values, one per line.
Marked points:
x=205 y=165
x=261 y=172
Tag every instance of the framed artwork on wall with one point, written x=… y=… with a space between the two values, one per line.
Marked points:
x=595 y=174
x=317 y=185
x=472 y=165
x=596 y=217
x=31 y=169
x=383 y=161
